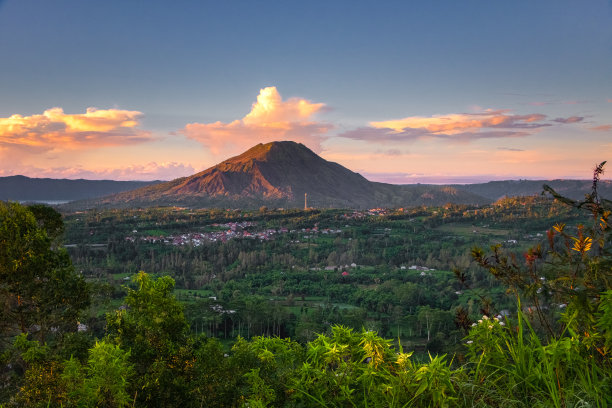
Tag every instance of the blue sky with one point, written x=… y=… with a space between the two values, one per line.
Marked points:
x=483 y=66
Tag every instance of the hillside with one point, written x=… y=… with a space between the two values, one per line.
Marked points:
x=575 y=189
x=279 y=174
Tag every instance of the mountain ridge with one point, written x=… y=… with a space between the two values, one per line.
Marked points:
x=277 y=174
x=280 y=174
x=23 y=188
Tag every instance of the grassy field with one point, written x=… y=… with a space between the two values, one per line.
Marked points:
x=472 y=230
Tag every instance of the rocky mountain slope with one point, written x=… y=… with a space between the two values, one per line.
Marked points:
x=279 y=174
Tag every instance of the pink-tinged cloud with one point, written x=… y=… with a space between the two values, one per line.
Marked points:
x=463 y=122
x=571 y=119
x=459 y=127
x=510 y=149
x=389 y=135
x=146 y=172
x=602 y=128
x=270 y=119
x=56 y=130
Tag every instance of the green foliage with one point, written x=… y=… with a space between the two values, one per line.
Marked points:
x=510 y=365
x=565 y=361
x=261 y=394
x=103 y=382
x=361 y=370
x=268 y=365
x=604 y=320
x=152 y=326
x=39 y=289
x=48 y=219
x=41 y=297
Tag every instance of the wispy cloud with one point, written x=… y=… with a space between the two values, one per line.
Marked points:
x=389 y=135
x=557 y=102
x=460 y=127
x=460 y=122
x=602 y=128
x=56 y=130
x=270 y=119
x=510 y=149
x=571 y=119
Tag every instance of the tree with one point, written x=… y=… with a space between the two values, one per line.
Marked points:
x=103 y=382
x=48 y=219
x=39 y=289
x=152 y=326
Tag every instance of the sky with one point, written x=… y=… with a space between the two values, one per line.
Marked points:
x=400 y=91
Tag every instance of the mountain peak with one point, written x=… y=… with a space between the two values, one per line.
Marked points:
x=279 y=173
x=280 y=150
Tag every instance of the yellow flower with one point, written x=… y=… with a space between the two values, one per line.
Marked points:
x=582 y=244
x=403 y=358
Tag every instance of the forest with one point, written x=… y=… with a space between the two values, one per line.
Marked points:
x=502 y=305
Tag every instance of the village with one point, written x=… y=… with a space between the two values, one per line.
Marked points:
x=226 y=232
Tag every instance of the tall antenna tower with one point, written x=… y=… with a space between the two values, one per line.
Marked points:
x=305 y=201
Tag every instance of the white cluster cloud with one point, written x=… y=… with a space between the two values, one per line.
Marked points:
x=270 y=119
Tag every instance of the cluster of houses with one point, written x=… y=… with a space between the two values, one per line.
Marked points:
x=423 y=269
x=311 y=232
x=199 y=238
x=366 y=213
x=334 y=267
x=231 y=230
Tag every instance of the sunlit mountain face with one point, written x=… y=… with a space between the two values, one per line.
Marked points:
x=285 y=173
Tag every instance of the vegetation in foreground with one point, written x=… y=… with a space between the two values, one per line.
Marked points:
x=149 y=357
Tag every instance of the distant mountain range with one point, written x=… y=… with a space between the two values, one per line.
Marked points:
x=21 y=188
x=575 y=189
x=276 y=174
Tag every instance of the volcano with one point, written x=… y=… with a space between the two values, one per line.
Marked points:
x=280 y=174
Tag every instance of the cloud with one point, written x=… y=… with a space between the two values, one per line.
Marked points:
x=609 y=100
x=557 y=102
x=390 y=135
x=149 y=171
x=270 y=119
x=460 y=127
x=56 y=130
x=460 y=122
x=571 y=119
x=518 y=156
x=602 y=128
x=510 y=149
x=389 y=152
